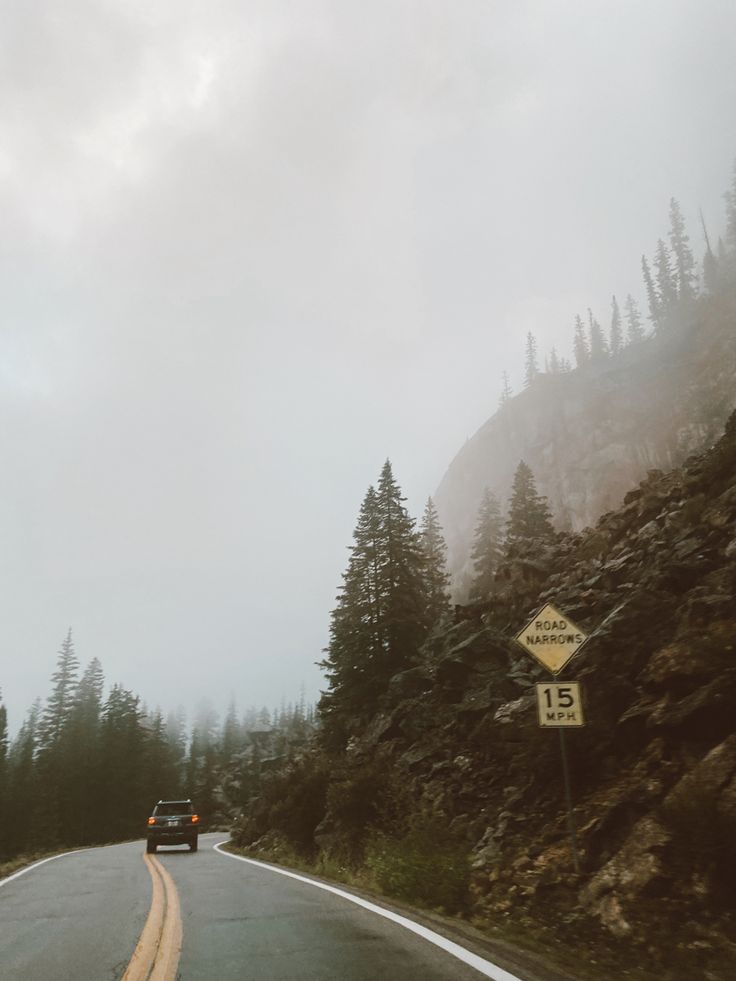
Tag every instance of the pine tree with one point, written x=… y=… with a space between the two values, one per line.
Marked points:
x=3 y=738
x=487 y=548
x=634 y=329
x=598 y=346
x=531 y=368
x=684 y=271
x=22 y=787
x=436 y=578
x=653 y=297
x=666 y=285
x=616 y=336
x=529 y=518
x=710 y=263
x=231 y=734
x=401 y=587
x=82 y=747
x=380 y=619
x=60 y=701
x=122 y=797
x=3 y=773
x=580 y=347
x=505 y=389
x=554 y=362
x=710 y=272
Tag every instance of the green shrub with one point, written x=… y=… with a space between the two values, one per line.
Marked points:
x=427 y=865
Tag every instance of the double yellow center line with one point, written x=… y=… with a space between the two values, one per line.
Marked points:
x=156 y=956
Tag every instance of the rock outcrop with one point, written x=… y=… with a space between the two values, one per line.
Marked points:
x=454 y=753
x=592 y=434
x=654 y=770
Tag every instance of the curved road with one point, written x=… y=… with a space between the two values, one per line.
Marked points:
x=81 y=917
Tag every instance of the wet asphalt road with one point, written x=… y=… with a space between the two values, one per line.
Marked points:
x=79 y=917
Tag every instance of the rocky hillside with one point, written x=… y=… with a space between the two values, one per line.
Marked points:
x=454 y=764
x=591 y=434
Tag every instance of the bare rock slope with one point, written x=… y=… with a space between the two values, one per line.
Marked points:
x=593 y=433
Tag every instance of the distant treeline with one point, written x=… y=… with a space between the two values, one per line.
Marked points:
x=672 y=280
x=86 y=768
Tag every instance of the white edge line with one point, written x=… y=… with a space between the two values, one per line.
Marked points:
x=485 y=967
x=29 y=868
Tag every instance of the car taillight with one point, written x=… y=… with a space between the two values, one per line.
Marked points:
x=152 y=820
x=195 y=818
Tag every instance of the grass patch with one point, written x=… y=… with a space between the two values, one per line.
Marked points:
x=426 y=866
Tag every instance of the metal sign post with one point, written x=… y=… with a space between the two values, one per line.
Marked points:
x=553 y=639
x=568 y=800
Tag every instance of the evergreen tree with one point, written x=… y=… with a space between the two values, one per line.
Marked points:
x=710 y=263
x=653 y=297
x=17 y=834
x=3 y=770
x=616 y=335
x=554 y=362
x=231 y=734
x=580 y=347
x=401 y=586
x=487 y=548
x=436 y=578
x=121 y=799
x=505 y=389
x=531 y=368
x=55 y=762
x=710 y=272
x=634 y=329
x=3 y=739
x=666 y=284
x=529 y=516
x=684 y=264
x=60 y=701
x=160 y=776
x=380 y=619
x=82 y=748
x=598 y=346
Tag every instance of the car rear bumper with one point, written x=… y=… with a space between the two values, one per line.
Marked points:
x=182 y=838
x=172 y=836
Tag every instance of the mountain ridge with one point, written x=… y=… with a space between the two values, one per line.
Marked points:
x=591 y=434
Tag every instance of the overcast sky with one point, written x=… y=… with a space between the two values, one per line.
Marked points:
x=250 y=249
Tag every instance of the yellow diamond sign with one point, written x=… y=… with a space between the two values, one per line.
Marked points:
x=552 y=638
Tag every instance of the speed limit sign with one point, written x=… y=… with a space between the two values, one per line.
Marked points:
x=559 y=704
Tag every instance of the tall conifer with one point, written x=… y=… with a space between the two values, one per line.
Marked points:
x=529 y=518
x=487 y=548
x=436 y=578
x=654 y=300
x=598 y=346
x=634 y=328
x=684 y=264
x=666 y=284
x=531 y=366
x=616 y=335
x=380 y=618
x=580 y=346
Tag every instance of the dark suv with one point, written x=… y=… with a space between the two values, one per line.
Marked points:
x=173 y=822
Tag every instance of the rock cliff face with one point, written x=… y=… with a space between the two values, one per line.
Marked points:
x=592 y=434
x=654 y=769
x=456 y=745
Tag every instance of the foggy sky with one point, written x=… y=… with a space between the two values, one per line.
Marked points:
x=250 y=250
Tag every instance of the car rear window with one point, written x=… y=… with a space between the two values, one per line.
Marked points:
x=173 y=807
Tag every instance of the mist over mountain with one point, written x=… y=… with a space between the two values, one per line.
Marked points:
x=592 y=433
